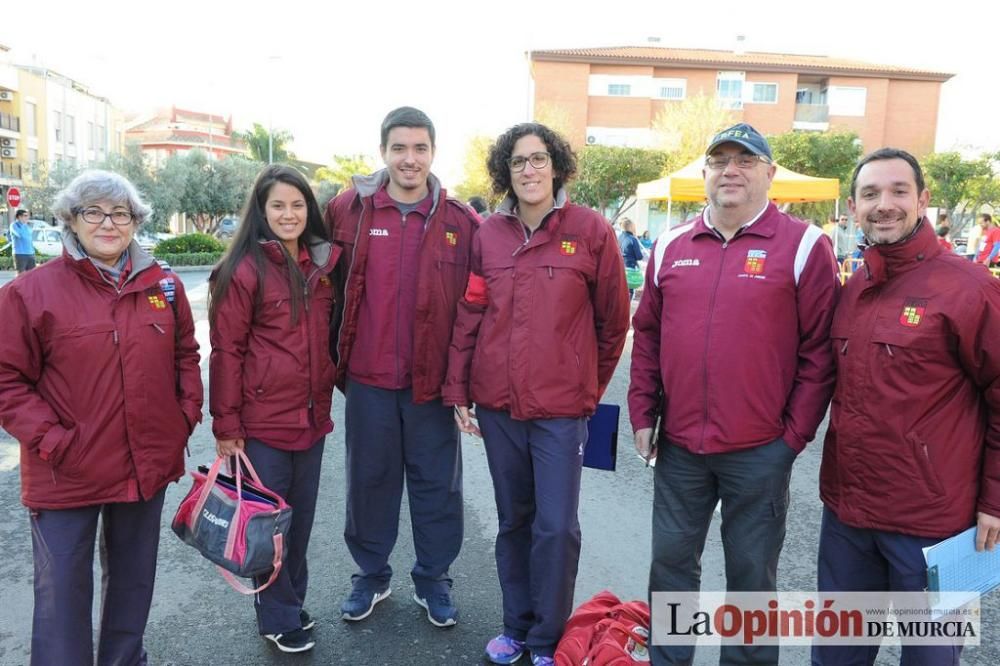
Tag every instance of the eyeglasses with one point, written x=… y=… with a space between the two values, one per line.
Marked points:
x=536 y=160
x=120 y=218
x=742 y=161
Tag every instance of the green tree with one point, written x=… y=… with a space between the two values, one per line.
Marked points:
x=955 y=181
x=819 y=154
x=210 y=189
x=476 y=181
x=607 y=176
x=684 y=128
x=263 y=144
x=51 y=179
x=343 y=168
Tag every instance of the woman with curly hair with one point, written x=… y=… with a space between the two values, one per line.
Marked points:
x=537 y=338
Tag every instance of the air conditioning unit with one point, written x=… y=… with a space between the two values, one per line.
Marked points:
x=7 y=152
x=6 y=95
x=7 y=142
x=591 y=139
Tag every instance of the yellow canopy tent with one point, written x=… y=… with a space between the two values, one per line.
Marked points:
x=687 y=184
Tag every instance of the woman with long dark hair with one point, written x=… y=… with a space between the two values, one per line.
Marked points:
x=271 y=374
x=537 y=338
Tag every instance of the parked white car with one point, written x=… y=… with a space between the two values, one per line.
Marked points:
x=47 y=241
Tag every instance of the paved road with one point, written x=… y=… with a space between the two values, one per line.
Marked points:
x=196 y=620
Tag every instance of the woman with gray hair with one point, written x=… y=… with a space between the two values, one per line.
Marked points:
x=100 y=384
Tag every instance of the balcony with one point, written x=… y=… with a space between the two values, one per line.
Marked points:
x=10 y=122
x=10 y=170
x=814 y=117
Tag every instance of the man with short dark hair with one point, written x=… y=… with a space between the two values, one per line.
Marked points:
x=404 y=267
x=990 y=253
x=24 y=249
x=732 y=350
x=912 y=454
x=843 y=239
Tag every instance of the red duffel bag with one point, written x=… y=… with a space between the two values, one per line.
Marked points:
x=606 y=631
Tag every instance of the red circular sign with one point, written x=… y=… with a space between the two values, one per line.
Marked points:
x=14 y=197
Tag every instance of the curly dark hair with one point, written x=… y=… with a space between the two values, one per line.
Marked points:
x=562 y=155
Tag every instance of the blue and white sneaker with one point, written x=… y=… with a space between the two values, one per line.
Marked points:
x=504 y=650
x=440 y=611
x=539 y=660
x=362 y=602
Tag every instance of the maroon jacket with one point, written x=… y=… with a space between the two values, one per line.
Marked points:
x=736 y=335
x=102 y=389
x=441 y=277
x=542 y=327
x=264 y=372
x=914 y=439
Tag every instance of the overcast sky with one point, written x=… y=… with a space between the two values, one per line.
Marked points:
x=330 y=73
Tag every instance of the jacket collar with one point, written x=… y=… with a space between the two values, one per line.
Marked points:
x=764 y=224
x=367 y=186
x=141 y=260
x=884 y=261
x=319 y=252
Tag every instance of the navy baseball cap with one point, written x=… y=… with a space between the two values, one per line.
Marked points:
x=746 y=136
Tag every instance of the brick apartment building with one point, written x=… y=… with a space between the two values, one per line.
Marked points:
x=613 y=95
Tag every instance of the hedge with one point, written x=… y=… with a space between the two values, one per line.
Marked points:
x=190 y=258
x=179 y=259
x=189 y=243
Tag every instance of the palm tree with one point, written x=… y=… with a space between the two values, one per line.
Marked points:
x=264 y=145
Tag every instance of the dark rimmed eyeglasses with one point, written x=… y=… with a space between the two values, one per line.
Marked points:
x=536 y=160
x=742 y=161
x=94 y=215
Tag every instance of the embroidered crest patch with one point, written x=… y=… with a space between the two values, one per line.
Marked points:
x=754 y=264
x=913 y=312
x=451 y=238
x=567 y=248
x=157 y=301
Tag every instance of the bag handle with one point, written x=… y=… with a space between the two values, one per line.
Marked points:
x=276 y=564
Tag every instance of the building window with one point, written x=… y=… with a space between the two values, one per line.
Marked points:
x=765 y=93
x=619 y=89
x=57 y=124
x=32 y=156
x=847 y=101
x=102 y=137
x=729 y=89
x=30 y=118
x=91 y=137
x=70 y=129
x=674 y=89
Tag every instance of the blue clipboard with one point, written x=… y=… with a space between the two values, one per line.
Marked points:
x=601 y=451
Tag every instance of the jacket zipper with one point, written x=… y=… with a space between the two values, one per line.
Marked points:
x=708 y=337
x=347 y=287
x=399 y=286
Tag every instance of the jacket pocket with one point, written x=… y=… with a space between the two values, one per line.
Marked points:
x=922 y=458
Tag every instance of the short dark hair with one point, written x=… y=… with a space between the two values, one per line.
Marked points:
x=406 y=116
x=560 y=152
x=943 y=231
x=20 y=212
x=479 y=205
x=987 y=218
x=890 y=154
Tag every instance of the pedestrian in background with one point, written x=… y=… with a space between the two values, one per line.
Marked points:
x=844 y=239
x=406 y=264
x=548 y=306
x=990 y=252
x=24 y=249
x=732 y=351
x=631 y=249
x=99 y=382
x=479 y=205
x=271 y=374
x=916 y=412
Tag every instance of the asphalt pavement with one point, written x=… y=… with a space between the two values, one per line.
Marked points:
x=197 y=620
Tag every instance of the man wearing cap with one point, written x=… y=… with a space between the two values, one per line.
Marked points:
x=732 y=351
